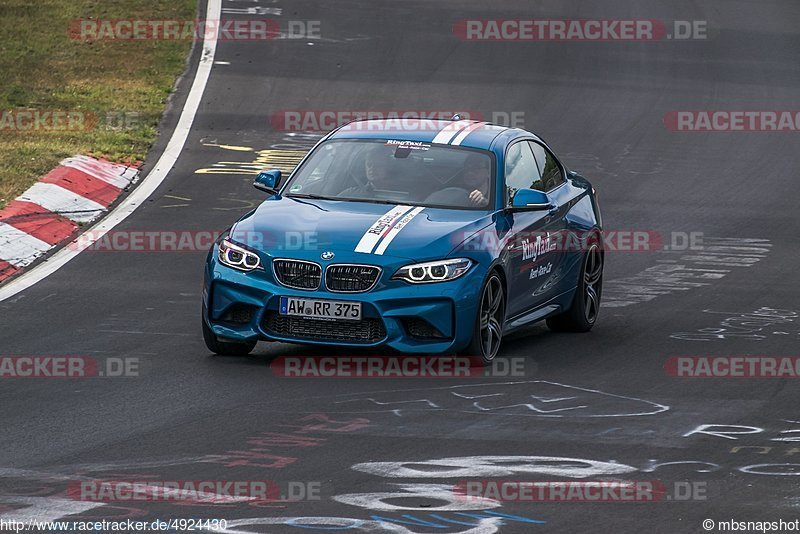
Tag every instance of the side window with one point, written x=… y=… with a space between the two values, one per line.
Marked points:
x=521 y=170
x=552 y=174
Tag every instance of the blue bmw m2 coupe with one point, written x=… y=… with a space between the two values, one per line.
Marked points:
x=426 y=236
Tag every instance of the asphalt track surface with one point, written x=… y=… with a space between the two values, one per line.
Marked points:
x=193 y=416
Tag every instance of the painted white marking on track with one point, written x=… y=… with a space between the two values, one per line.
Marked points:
x=153 y=179
x=276 y=11
x=511 y=403
x=449 y=501
x=466 y=467
x=483 y=525
x=44 y=509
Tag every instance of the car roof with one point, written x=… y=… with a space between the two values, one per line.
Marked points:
x=467 y=133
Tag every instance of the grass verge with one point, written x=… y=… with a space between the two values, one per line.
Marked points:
x=114 y=89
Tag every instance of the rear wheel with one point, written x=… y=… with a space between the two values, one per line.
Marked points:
x=225 y=348
x=489 y=324
x=582 y=314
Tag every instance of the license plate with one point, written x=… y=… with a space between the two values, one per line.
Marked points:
x=320 y=309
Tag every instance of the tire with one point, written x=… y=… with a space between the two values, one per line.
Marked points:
x=225 y=348
x=582 y=313
x=488 y=333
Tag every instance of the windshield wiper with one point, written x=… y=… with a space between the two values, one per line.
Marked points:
x=344 y=199
x=376 y=201
x=313 y=197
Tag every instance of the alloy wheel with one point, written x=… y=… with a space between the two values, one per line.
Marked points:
x=592 y=283
x=491 y=317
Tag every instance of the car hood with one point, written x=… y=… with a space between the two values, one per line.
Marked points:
x=355 y=231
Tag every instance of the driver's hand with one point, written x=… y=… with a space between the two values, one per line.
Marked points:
x=477 y=198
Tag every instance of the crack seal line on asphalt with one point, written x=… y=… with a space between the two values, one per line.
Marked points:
x=149 y=184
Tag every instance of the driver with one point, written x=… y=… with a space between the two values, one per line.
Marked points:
x=377 y=172
x=470 y=189
x=476 y=179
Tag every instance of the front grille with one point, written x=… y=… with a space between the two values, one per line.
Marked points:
x=363 y=331
x=422 y=329
x=297 y=274
x=351 y=278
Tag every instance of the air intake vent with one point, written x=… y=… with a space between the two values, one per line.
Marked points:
x=367 y=330
x=422 y=329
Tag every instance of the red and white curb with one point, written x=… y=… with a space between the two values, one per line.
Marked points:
x=154 y=178
x=76 y=192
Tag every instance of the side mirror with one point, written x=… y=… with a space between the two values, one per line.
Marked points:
x=531 y=199
x=268 y=181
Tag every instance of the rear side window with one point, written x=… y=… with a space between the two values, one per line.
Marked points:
x=522 y=172
x=552 y=173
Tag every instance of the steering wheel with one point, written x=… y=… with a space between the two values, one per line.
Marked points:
x=449 y=195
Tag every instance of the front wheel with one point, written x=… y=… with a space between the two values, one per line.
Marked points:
x=582 y=314
x=225 y=348
x=489 y=324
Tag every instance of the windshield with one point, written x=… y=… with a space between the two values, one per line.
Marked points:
x=395 y=171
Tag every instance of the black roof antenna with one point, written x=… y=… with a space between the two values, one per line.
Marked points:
x=456 y=117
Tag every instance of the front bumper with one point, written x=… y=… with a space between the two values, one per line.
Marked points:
x=412 y=318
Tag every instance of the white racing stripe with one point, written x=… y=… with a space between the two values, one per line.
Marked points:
x=18 y=248
x=407 y=218
x=379 y=228
x=448 y=132
x=156 y=176
x=55 y=198
x=465 y=132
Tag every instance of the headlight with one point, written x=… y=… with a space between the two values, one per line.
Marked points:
x=433 y=271
x=238 y=257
